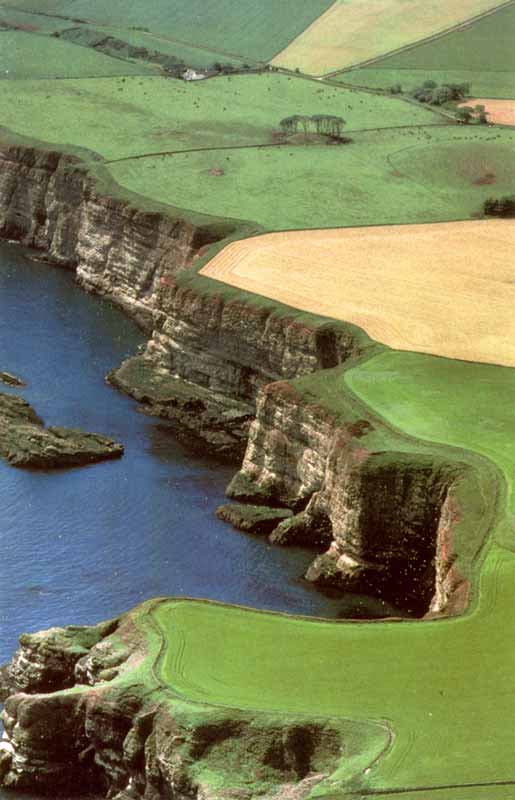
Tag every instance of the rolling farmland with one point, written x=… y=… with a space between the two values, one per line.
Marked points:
x=244 y=28
x=385 y=176
x=481 y=54
x=351 y=32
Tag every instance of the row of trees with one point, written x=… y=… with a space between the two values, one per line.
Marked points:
x=323 y=124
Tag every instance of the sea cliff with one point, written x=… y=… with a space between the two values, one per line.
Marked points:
x=228 y=367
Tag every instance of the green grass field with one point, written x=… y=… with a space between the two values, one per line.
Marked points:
x=391 y=176
x=32 y=22
x=446 y=687
x=25 y=55
x=161 y=114
x=244 y=28
x=482 y=83
x=199 y=57
x=482 y=54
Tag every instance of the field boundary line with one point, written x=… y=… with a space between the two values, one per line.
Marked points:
x=265 y=145
x=426 y=40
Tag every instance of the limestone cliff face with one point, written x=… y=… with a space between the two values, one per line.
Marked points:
x=210 y=351
x=210 y=354
x=385 y=518
x=49 y=202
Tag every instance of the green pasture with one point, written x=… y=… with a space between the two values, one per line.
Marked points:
x=199 y=57
x=391 y=176
x=32 y=22
x=445 y=688
x=483 y=83
x=453 y=402
x=126 y=117
x=26 y=55
x=245 y=28
x=481 y=54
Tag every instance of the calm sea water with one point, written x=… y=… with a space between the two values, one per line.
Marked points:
x=82 y=545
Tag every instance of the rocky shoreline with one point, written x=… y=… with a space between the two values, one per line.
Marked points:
x=384 y=515
x=224 y=365
x=85 y=707
x=26 y=443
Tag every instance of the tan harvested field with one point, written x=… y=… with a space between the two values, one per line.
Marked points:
x=353 y=31
x=446 y=289
x=502 y=112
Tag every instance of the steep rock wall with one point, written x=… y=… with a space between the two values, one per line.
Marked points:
x=49 y=202
x=384 y=516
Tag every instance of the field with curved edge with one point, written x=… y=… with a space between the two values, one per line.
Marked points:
x=481 y=54
x=445 y=688
x=356 y=31
x=447 y=289
x=384 y=231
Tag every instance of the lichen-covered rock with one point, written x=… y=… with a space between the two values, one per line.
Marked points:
x=25 y=442
x=305 y=529
x=215 y=423
x=253 y=519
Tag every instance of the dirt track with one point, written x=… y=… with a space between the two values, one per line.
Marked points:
x=447 y=289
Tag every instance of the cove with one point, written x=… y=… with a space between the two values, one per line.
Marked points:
x=86 y=544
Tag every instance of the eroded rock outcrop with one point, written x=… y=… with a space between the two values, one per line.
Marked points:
x=25 y=442
x=85 y=709
x=385 y=514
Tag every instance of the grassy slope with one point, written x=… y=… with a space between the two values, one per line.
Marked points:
x=482 y=54
x=162 y=114
x=23 y=55
x=483 y=83
x=398 y=176
x=439 y=685
x=253 y=30
x=32 y=22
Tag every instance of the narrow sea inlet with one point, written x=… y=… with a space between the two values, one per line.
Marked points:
x=85 y=544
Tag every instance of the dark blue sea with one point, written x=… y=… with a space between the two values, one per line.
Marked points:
x=82 y=545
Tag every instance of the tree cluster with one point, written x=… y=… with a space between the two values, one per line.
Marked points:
x=468 y=114
x=500 y=206
x=323 y=124
x=436 y=95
